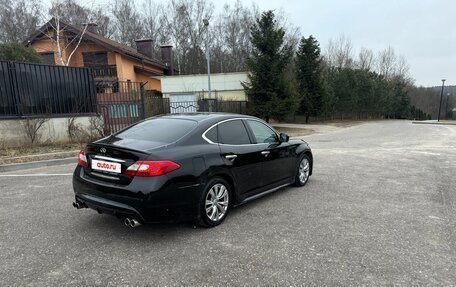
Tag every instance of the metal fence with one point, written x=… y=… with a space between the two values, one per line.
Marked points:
x=35 y=89
x=209 y=105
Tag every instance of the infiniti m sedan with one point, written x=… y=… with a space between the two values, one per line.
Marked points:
x=187 y=167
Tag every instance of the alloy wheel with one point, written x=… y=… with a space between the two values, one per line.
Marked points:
x=304 y=169
x=217 y=200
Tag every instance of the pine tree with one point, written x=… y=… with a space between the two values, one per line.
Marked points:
x=269 y=93
x=309 y=77
x=17 y=52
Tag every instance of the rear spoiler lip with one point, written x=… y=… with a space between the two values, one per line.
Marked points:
x=145 y=152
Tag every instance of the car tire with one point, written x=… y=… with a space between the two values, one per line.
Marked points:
x=303 y=170
x=215 y=202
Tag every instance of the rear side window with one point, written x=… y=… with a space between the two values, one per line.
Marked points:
x=233 y=132
x=212 y=135
x=159 y=130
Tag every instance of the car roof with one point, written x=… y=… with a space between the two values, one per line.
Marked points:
x=204 y=117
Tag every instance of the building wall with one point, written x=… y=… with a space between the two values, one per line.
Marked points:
x=224 y=86
x=127 y=72
x=54 y=130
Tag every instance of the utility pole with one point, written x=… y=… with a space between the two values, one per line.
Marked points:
x=441 y=96
x=208 y=57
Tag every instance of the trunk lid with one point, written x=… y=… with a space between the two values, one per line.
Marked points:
x=108 y=162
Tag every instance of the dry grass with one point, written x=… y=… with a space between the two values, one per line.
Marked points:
x=453 y=122
x=340 y=123
x=38 y=152
x=294 y=132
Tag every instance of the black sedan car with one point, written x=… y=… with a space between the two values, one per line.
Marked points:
x=187 y=167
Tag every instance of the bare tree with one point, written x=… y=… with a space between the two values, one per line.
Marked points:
x=339 y=53
x=386 y=62
x=365 y=59
x=230 y=36
x=128 y=22
x=153 y=26
x=183 y=20
x=18 y=19
x=32 y=127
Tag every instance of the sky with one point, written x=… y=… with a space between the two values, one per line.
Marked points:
x=421 y=30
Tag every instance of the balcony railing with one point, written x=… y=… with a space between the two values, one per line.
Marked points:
x=105 y=71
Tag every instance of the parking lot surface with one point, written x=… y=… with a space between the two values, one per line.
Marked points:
x=378 y=210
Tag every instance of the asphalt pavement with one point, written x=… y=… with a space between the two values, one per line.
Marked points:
x=379 y=210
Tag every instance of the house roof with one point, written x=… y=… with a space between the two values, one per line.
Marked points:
x=98 y=39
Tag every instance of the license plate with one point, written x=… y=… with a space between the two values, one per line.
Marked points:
x=106 y=166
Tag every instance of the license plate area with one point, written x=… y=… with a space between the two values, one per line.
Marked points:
x=106 y=166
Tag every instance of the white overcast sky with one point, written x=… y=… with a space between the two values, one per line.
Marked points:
x=421 y=30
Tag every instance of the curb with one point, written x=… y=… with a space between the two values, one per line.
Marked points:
x=35 y=164
x=433 y=123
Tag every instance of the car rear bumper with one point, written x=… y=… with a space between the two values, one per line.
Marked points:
x=170 y=203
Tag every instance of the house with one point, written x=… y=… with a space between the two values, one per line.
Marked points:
x=110 y=61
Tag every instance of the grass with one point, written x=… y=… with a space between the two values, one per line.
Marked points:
x=38 y=152
x=340 y=123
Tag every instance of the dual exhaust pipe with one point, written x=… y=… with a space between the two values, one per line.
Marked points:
x=131 y=222
x=128 y=221
x=79 y=205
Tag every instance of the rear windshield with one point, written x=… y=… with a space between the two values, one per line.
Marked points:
x=159 y=130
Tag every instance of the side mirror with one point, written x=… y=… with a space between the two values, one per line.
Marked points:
x=284 y=137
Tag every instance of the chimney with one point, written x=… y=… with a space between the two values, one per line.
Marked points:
x=167 y=58
x=145 y=47
x=91 y=27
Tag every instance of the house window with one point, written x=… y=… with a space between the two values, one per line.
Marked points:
x=48 y=58
x=93 y=59
x=123 y=111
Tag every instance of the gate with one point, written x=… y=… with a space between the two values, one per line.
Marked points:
x=121 y=104
x=124 y=103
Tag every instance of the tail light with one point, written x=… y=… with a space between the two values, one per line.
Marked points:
x=151 y=168
x=82 y=159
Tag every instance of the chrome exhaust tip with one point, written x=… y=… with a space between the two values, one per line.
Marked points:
x=134 y=223
x=131 y=222
x=78 y=205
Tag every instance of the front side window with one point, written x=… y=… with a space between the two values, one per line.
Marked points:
x=262 y=133
x=233 y=133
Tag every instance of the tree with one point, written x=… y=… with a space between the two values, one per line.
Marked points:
x=339 y=53
x=269 y=92
x=71 y=12
x=17 y=52
x=183 y=20
x=18 y=19
x=153 y=27
x=128 y=23
x=309 y=76
x=365 y=59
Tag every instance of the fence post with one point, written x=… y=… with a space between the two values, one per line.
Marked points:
x=143 y=103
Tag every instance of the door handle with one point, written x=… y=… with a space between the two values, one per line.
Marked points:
x=231 y=156
x=265 y=153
